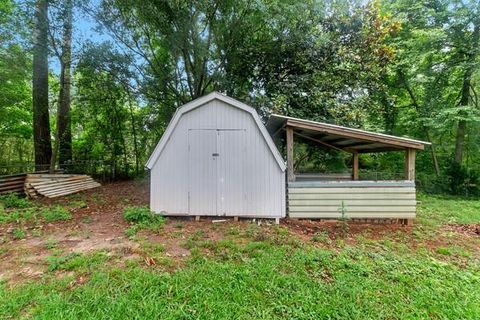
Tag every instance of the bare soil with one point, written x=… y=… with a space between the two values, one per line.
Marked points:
x=99 y=225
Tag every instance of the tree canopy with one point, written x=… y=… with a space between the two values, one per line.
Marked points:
x=402 y=67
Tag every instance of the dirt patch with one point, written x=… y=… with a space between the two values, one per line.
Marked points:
x=98 y=224
x=465 y=229
x=335 y=229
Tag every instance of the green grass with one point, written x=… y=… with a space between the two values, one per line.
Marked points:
x=435 y=210
x=12 y=200
x=18 y=215
x=18 y=234
x=259 y=280
x=264 y=273
x=56 y=213
x=75 y=261
x=142 y=218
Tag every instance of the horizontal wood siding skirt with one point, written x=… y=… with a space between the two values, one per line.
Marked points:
x=350 y=190
x=353 y=215
x=351 y=209
x=352 y=196
x=367 y=199
x=351 y=184
x=352 y=203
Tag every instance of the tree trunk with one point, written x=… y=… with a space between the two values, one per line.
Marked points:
x=64 y=132
x=41 y=121
x=424 y=127
x=134 y=134
x=462 y=124
x=465 y=96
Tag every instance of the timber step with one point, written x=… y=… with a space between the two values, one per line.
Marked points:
x=57 y=185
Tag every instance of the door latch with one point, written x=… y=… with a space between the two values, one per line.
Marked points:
x=215 y=154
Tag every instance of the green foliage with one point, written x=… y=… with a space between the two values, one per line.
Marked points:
x=76 y=261
x=259 y=281
x=394 y=66
x=18 y=233
x=56 y=213
x=463 y=181
x=18 y=216
x=137 y=214
x=51 y=243
x=344 y=218
x=444 y=251
x=78 y=204
x=142 y=218
x=434 y=210
x=322 y=237
x=12 y=200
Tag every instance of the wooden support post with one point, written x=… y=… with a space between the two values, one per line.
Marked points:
x=410 y=164
x=197 y=218
x=277 y=220
x=290 y=173
x=235 y=218
x=355 y=166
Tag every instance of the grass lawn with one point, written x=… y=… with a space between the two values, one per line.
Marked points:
x=441 y=209
x=178 y=269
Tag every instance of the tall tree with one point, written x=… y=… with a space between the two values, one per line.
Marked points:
x=41 y=122
x=64 y=131
x=471 y=54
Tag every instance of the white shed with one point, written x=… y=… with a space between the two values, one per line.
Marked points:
x=216 y=158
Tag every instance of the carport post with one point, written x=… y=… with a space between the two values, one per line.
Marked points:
x=290 y=173
x=410 y=164
x=355 y=166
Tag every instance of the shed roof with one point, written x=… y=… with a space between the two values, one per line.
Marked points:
x=342 y=138
x=202 y=101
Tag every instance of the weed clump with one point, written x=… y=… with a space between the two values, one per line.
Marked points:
x=142 y=218
x=12 y=200
x=56 y=213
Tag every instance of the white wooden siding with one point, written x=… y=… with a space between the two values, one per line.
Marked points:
x=362 y=199
x=263 y=180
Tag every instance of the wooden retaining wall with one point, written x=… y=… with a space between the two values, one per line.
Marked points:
x=362 y=199
x=12 y=183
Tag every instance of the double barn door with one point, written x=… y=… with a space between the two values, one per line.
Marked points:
x=216 y=171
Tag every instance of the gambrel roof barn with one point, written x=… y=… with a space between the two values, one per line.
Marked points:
x=217 y=158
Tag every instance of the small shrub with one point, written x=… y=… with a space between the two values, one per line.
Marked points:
x=56 y=213
x=131 y=231
x=142 y=218
x=463 y=180
x=344 y=219
x=137 y=214
x=19 y=234
x=12 y=200
x=78 y=204
x=321 y=237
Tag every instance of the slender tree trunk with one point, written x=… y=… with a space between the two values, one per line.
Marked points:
x=424 y=127
x=465 y=94
x=41 y=121
x=64 y=132
x=134 y=134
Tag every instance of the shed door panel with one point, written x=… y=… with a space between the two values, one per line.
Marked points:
x=202 y=197
x=231 y=172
